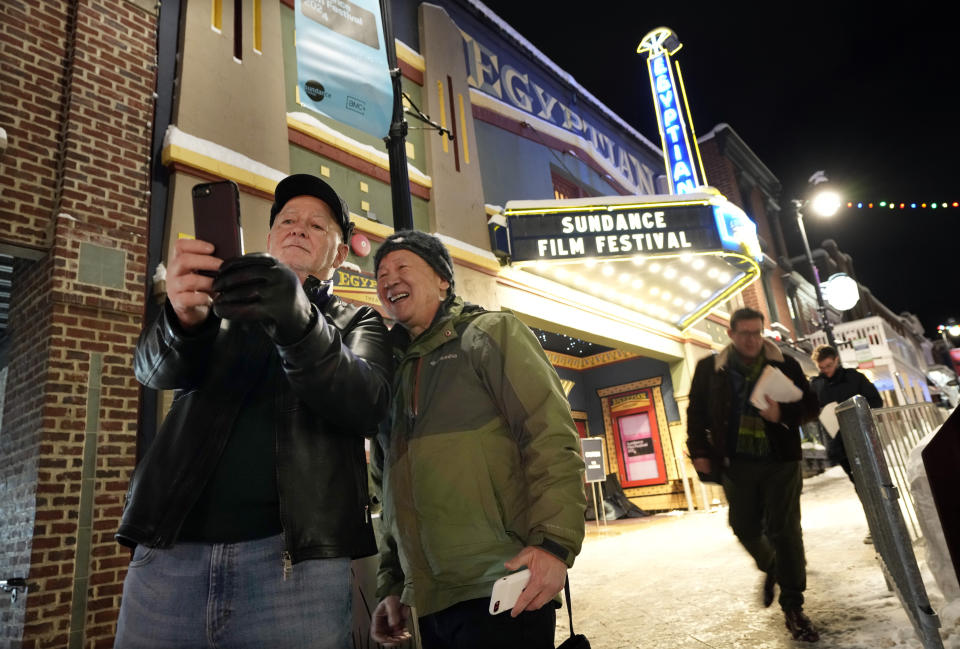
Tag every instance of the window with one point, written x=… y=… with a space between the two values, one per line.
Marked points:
x=564 y=188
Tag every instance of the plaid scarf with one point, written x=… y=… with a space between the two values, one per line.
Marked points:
x=751 y=435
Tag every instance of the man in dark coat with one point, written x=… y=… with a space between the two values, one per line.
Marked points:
x=755 y=454
x=837 y=384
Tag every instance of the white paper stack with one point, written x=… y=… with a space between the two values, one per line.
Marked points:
x=828 y=417
x=774 y=384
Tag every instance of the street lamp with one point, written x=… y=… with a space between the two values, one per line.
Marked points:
x=825 y=203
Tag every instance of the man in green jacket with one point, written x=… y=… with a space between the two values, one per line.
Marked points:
x=481 y=470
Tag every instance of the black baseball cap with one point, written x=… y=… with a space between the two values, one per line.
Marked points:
x=310 y=185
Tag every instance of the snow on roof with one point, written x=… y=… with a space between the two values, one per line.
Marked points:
x=372 y=152
x=175 y=137
x=706 y=194
x=560 y=72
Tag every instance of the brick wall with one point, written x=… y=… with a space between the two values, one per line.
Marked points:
x=74 y=183
x=719 y=171
x=20 y=437
x=33 y=46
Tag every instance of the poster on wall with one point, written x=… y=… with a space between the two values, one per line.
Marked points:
x=639 y=452
x=640 y=461
x=342 y=63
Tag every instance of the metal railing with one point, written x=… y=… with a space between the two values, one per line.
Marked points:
x=877 y=459
x=899 y=430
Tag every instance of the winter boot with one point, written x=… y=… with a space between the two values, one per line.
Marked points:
x=800 y=626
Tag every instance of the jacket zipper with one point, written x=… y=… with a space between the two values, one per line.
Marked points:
x=416 y=388
x=286 y=559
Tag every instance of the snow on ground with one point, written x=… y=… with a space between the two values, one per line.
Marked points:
x=683 y=581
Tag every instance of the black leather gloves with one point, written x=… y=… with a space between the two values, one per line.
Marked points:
x=257 y=287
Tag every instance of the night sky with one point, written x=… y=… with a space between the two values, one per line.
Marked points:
x=866 y=97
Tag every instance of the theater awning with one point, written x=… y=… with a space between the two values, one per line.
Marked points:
x=673 y=258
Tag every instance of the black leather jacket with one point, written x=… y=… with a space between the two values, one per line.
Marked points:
x=334 y=388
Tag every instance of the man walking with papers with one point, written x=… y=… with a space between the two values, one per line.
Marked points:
x=836 y=384
x=746 y=406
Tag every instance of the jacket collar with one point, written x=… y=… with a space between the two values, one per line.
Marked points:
x=440 y=330
x=319 y=291
x=770 y=351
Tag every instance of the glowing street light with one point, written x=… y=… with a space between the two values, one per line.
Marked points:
x=824 y=202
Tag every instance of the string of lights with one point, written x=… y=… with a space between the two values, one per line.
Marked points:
x=892 y=205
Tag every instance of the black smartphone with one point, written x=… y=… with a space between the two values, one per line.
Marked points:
x=216 y=218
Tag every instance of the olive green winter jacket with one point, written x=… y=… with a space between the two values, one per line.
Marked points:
x=481 y=459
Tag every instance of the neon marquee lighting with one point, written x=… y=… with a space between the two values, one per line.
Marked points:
x=673 y=113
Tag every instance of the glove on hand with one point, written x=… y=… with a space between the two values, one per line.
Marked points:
x=257 y=287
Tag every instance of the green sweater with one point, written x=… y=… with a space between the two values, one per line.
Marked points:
x=481 y=459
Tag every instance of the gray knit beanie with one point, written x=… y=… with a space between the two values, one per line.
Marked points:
x=426 y=246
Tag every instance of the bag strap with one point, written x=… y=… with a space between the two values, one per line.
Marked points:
x=566 y=593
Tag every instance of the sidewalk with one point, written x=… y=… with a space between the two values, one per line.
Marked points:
x=682 y=581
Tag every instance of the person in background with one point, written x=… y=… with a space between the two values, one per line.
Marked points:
x=482 y=473
x=755 y=453
x=250 y=503
x=836 y=384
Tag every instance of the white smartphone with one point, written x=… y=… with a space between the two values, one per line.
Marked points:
x=506 y=590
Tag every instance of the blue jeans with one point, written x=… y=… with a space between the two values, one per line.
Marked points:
x=233 y=595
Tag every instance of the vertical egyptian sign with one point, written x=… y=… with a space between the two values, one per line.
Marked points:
x=342 y=67
x=673 y=116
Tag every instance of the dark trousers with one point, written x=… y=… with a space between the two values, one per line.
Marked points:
x=764 y=499
x=469 y=625
x=838 y=454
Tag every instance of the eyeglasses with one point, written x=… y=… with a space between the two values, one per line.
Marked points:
x=746 y=333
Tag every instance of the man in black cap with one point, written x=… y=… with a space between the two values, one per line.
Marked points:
x=481 y=469
x=251 y=501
